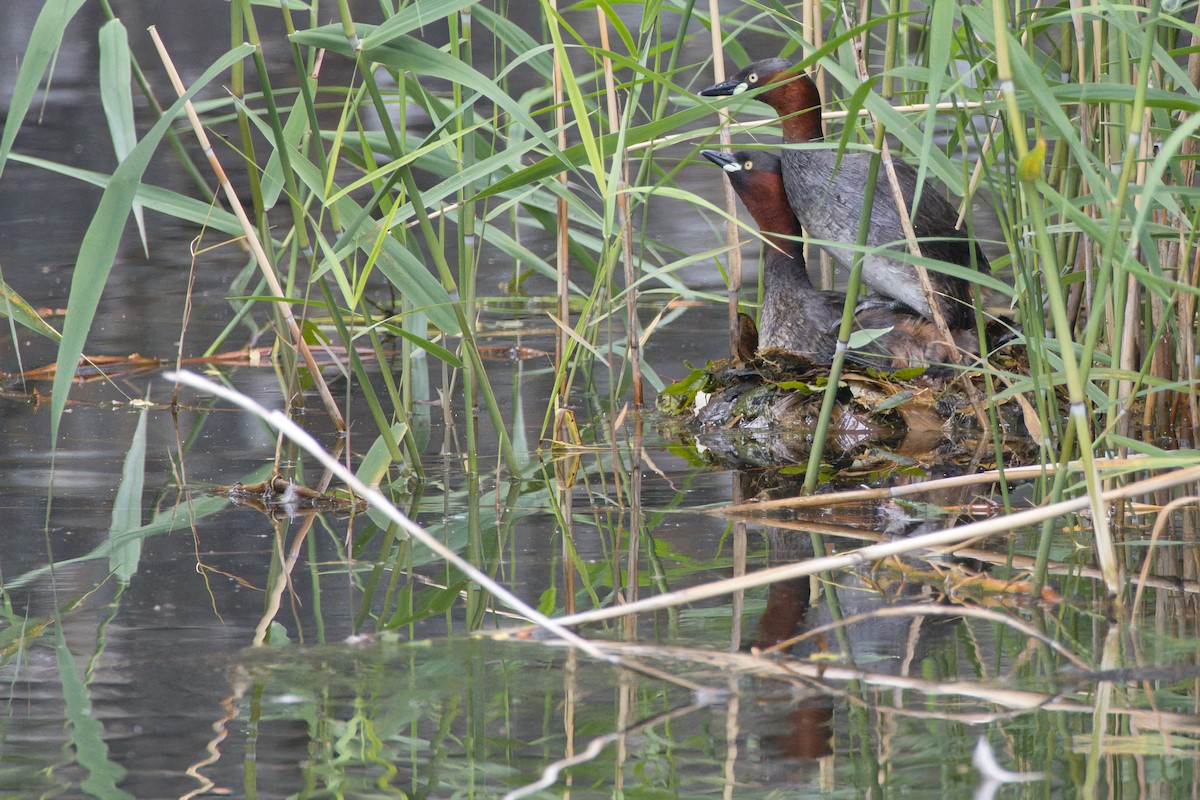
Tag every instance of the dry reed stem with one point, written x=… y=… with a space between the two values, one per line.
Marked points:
x=993 y=557
x=252 y=240
x=1159 y=523
x=1132 y=328
x=902 y=209
x=938 y=539
x=633 y=348
x=687 y=136
x=905 y=214
x=734 y=270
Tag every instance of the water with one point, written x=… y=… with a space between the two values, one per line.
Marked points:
x=134 y=595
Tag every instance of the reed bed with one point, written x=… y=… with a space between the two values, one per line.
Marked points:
x=1074 y=125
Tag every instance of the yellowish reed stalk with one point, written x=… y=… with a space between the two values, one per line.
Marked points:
x=950 y=538
x=633 y=333
x=252 y=240
x=562 y=236
x=731 y=227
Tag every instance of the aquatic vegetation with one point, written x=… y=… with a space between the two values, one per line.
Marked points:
x=475 y=236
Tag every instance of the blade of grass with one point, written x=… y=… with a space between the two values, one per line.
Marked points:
x=44 y=41
x=117 y=97
x=99 y=246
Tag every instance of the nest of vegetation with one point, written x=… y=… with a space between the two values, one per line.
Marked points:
x=762 y=411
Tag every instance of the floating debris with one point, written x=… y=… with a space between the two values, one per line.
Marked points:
x=106 y=367
x=280 y=496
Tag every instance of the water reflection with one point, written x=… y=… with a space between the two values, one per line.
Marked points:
x=872 y=701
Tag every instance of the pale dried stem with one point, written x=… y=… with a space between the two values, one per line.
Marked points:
x=999 y=558
x=822 y=674
x=1185 y=306
x=1160 y=522
x=1186 y=319
x=687 y=136
x=950 y=538
x=914 y=247
x=252 y=240
x=1131 y=332
x=633 y=346
x=813 y=30
x=902 y=209
x=731 y=226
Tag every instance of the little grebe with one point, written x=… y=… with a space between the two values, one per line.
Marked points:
x=801 y=319
x=825 y=190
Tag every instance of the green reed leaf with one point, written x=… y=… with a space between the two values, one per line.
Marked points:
x=99 y=247
x=44 y=41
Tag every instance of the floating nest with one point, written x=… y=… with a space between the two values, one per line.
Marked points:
x=280 y=498
x=761 y=411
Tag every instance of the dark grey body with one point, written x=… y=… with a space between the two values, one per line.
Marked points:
x=827 y=198
x=801 y=319
x=795 y=316
x=825 y=193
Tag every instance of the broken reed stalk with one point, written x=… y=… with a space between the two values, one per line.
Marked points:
x=997 y=558
x=938 y=539
x=252 y=240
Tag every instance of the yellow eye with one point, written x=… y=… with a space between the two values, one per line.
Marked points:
x=747 y=165
x=753 y=78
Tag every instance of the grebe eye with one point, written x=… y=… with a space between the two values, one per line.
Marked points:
x=753 y=78
x=747 y=165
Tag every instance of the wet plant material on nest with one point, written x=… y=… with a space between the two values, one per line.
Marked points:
x=761 y=411
x=777 y=388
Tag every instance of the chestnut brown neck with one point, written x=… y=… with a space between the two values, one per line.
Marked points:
x=764 y=197
x=798 y=104
x=766 y=201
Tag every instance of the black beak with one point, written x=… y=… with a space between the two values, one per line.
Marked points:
x=719 y=157
x=726 y=89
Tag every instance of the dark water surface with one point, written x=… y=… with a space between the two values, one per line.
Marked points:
x=133 y=595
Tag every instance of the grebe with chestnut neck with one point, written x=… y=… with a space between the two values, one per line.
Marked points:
x=825 y=192
x=803 y=320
